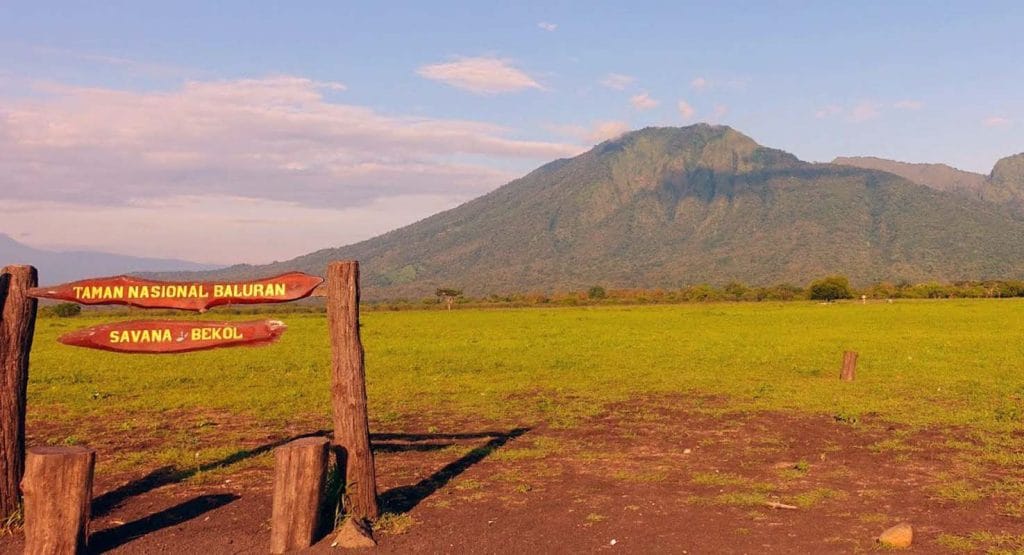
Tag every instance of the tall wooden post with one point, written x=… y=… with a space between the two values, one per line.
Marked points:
x=300 y=470
x=348 y=389
x=17 y=324
x=849 y=371
x=58 y=496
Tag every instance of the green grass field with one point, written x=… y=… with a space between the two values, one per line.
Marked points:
x=921 y=363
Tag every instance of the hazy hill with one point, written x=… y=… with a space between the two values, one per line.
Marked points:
x=59 y=267
x=1005 y=185
x=936 y=176
x=1006 y=182
x=664 y=207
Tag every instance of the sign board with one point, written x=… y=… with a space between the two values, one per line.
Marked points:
x=199 y=296
x=174 y=336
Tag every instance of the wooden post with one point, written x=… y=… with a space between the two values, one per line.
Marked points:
x=58 y=494
x=348 y=389
x=849 y=371
x=300 y=470
x=17 y=324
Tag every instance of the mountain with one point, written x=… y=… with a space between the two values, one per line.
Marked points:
x=937 y=176
x=1006 y=182
x=665 y=207
x=59 y=267
x=1005 y=185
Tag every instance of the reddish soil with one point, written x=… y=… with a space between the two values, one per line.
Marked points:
x=652 y=477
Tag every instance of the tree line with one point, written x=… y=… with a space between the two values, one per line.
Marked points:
x=828 y=289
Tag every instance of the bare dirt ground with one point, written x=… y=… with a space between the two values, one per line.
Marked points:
x=654 y=476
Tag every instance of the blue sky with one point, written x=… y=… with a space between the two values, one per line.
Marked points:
x=202 y=130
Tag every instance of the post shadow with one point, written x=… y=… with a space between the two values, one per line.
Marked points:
x=403 y=499
x=111 y=538
x=396 y=500
x=166 y=475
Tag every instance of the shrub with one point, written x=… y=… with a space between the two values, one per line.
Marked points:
x=597 y=292
x=831 y=288
x=67 y=310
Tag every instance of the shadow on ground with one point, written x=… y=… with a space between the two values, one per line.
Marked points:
x=404 y=498
x=396 y=500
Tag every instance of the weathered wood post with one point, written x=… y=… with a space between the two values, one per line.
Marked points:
x=17 y=324
x=348 y=390
x=58 y=495
x=300 y=470
x=849 y=371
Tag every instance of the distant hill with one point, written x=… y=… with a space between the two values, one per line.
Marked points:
x=665 y=207
x=59 y=267
x=1006 y=182
x=1005 y=185
x=937 y=176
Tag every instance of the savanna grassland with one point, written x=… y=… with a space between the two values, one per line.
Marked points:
x=607 y=423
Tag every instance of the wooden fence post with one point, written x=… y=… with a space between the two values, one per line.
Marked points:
x=300 y=470
x=849 y=371
x=58 y=495
x=348 y=389
x=17 y=324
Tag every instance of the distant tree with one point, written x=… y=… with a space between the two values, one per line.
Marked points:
x=830 y=289
x=67 y=310
x=448 y=295
x=597 y=292
x=736 y=290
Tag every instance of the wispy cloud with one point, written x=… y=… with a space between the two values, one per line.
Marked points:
x=685 y=110
x=996 y=121
x=828 y=111
x=549 y=27
x=596 y=133
x=908 y=105
x=127 y=64
x=864 y=111
x=719 y=112
x=858 y=113
x=274 y=138
x=117 y=162
x=699 y=83
x=643 y=101
x=617 y=81
x=482 y=75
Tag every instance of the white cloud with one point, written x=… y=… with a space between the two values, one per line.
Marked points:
x=596 y=133
x=482 y=75
x=863 y=111
x=828 y=111
x=719 y=112
x=276 y=140
x=547 y=26
x=617 y=81
x=996 y=121
x=908 y=105
x=685 y=110
x=643 y=101
x=699 y=83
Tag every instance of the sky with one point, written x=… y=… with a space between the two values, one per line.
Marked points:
x=227 y=132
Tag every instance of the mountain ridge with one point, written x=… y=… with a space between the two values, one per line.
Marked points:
x=62 y=266
x=667 y=207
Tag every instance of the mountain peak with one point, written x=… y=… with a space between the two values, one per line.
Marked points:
x=702 y=146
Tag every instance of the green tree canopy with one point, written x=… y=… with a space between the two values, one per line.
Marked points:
x=831 y=288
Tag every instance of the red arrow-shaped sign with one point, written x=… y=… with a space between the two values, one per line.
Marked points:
x=174 y=336
x=144 y=293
